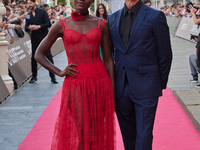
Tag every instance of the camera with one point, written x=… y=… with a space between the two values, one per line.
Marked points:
x=188 y=4
x=192 y=37
x=17 y=14
x=4 y=18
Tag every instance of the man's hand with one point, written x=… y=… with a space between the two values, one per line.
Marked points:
x=195 y=39
x=18 y=26
x=12 y=40
x=33 y=27
x=192 y=9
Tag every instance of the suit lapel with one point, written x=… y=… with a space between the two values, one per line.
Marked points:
x=118 y=19
x=139 y=19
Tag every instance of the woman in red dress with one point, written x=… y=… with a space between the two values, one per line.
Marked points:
x=86 y=116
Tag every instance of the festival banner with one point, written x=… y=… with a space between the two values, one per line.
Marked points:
x=186 y=28
x=20 y=53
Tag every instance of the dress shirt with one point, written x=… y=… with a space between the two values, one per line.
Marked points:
x=41 y=18
x=135 y=10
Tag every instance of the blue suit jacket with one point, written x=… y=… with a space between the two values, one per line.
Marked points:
x=147 y=59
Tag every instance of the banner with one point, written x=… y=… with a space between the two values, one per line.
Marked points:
x=3 y=90
x=187 y=27
x=173 y=23
x=57 y=47
x=19 y=58
x=19 y=53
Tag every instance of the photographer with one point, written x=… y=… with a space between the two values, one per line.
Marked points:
x=194 y=60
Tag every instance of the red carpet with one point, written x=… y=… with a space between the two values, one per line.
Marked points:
x=173 y=129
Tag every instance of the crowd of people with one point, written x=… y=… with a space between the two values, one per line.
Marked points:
x=178 y=10
x=16 y=13
x=19 y=9
x=175 y=10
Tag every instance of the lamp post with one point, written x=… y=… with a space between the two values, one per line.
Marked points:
x=68 y=10
x=4 y=56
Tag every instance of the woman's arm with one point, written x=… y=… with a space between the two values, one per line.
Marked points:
x=44 y=47
x=107 y=55
x=193 y=12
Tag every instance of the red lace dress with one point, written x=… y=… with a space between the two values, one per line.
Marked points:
x=86 y=117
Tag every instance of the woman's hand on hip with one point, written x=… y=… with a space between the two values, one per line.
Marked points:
x=69 y=71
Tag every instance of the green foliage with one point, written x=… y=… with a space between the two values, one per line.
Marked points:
x=72 y=3
x=60 y=2
x=92 y=6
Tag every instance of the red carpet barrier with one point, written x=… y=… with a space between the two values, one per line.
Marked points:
x=173 y=129
x=187 y=27
x=3 y=90
x=20 y=57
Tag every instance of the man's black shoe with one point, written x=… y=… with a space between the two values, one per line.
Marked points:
x=33 y=79
x=198 y=86
x=194 y=79
x=54 y=81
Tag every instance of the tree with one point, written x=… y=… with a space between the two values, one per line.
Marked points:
x=72 y=3
x=92 y=6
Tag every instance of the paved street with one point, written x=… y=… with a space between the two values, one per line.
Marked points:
x=186 y=93
x=21 y=111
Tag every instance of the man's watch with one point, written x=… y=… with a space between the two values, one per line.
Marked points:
x=39 y=26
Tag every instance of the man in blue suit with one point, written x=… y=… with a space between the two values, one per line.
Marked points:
x=142 y=53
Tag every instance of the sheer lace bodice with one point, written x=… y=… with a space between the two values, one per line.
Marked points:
x=86 y=117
